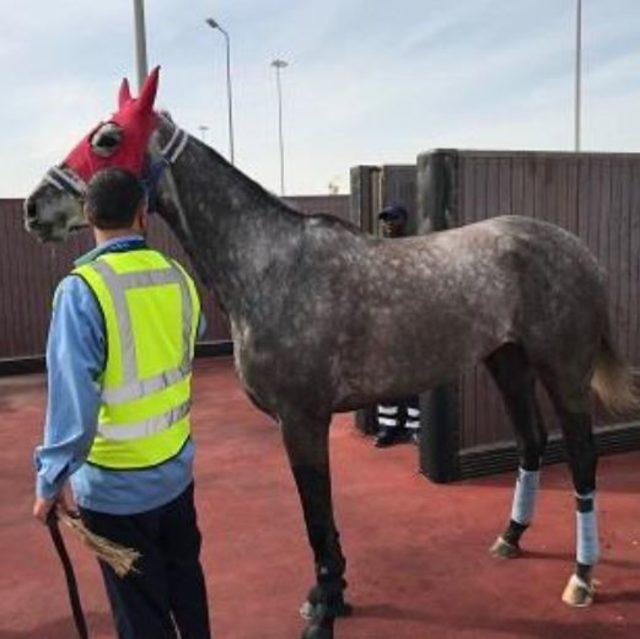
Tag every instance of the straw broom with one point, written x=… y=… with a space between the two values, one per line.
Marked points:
x=120 y=558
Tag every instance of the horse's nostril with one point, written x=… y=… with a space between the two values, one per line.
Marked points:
x=31 y=210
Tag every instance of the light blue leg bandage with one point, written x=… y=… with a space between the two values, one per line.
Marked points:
x=587 y=544
x=524 y=498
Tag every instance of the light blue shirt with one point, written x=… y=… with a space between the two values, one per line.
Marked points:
x=76 y=355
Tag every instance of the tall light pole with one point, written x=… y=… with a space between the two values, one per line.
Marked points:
x=578 y=97
x=214 y=25
x=140 y=42
x=203 y=128
x=279 y=65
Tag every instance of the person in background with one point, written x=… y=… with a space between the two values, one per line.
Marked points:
x=119 y=359
x=399 y=420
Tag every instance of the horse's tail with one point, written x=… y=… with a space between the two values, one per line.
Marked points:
x=614 y=381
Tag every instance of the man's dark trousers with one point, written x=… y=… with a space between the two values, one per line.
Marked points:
x=168 y=589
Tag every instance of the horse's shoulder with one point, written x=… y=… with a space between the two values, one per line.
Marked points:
x=331 y=237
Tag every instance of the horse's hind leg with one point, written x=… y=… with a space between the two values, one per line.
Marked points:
x=572 y=407
x=307 y=443
x=516 y=380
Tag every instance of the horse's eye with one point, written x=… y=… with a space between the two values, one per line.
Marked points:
x=106 y=139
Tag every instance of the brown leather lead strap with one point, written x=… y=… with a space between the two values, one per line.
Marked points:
x=72 y=584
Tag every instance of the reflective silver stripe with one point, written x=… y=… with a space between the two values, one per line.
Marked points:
x=413 y=412
x=127 y=343
x=142 y=279
x=385 y=421
x=143 y=387
x=188 y=330
x=412 y=423
x=132 y=386
x=151 y=426
x=387 y=410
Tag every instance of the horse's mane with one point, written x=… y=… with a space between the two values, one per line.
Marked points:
x=256 y=189
x=260 y=192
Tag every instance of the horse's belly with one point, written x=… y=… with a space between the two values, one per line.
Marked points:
x=417 y=357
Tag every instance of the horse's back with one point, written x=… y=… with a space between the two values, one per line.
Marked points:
x=520 y=246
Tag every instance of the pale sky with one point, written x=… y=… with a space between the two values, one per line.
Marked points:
x=368 y=83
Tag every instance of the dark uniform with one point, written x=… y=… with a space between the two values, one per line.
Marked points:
x=399 y=420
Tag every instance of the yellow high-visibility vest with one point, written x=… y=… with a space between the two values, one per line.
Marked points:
x=151 y=312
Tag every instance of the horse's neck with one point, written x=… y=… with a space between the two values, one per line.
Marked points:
x=232 y=228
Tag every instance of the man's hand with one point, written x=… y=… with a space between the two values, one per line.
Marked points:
x=42 y=507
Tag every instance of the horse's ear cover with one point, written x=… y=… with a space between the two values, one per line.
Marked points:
x=124 y=95
x=149 y=90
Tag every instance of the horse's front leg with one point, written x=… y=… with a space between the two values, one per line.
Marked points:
x=307 y=443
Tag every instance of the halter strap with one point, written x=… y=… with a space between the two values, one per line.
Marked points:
x=174 y=147
x=66 y=180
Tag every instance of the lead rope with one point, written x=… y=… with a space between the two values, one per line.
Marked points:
x=69 y=574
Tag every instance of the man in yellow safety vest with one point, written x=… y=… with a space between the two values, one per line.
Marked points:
x=119 y=358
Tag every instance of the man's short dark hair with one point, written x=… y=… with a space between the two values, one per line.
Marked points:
x=112 y=199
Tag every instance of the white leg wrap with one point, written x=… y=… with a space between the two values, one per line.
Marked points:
x=587 y=543
x=524 y=498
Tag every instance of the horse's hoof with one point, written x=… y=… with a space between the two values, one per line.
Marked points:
x=342 y=609
x=578 y=593
x=504 y=550
x=316 y=632
x=323 y=630
x=306 y=610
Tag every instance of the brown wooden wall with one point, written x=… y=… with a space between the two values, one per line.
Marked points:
x=595 y=196
x=375 y=187
x=337 y=205
x=30 y=271
x=365 y=196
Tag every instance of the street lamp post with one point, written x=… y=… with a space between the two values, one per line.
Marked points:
x=578 y=97
x=214 y=25
x=140 y=42
x=203 y=128
x=279 y=65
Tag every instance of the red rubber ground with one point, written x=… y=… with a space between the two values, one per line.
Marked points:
x=418 y=560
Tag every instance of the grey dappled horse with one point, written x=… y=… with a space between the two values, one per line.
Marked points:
x=327 y=319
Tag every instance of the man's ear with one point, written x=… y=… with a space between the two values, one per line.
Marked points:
x=85 y=213
x=142 y=215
